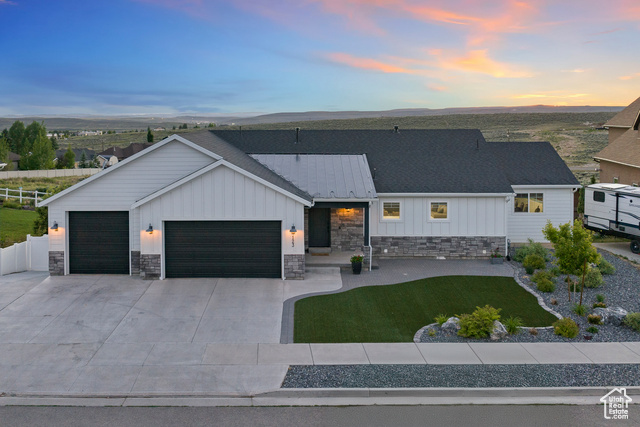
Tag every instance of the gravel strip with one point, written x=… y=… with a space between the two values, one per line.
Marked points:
x=457 y=376
x=621 y=289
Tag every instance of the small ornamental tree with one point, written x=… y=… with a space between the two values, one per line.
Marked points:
x=69 y=159
x=573 y=249
x=149 y=135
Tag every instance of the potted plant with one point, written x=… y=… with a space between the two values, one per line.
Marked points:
x=496 y=257
x=356 y=263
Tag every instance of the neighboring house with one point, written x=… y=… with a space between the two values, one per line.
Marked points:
x=227 y=203
x=89 y=154
x=15 y=160
x=106 y=160
x=125 y=152
x=620 y=160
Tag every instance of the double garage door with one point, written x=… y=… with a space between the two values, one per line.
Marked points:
x=223 y=249
x=99 y=244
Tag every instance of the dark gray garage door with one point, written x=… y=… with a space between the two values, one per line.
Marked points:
x=99 y=242
x=222 y=249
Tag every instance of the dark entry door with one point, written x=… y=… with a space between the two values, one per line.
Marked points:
x=319 y=228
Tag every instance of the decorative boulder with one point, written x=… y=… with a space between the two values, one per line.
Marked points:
x=499 y=331
x=451 y=325
x=611 y=316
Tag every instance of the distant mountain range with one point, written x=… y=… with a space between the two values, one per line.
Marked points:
x=84 y=122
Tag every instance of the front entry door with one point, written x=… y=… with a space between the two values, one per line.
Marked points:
x=319 y=228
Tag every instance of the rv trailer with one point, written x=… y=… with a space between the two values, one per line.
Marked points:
x=614 y=209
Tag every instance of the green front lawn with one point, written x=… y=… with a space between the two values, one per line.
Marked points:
x=394 y=313
x=15 y=224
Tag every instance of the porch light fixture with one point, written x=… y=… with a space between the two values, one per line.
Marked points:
x=293 y=232
x=150 y=229
x=55 y=226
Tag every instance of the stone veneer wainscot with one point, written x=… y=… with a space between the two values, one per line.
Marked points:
x=56 y=263
x=294 y=266
x=150 y=266
x=434 y=246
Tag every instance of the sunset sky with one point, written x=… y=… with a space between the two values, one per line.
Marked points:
x=261 y=56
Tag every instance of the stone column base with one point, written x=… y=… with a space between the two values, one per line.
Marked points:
x=150 y=266
x=135 y=262
x=56 y=263
x=294 y=266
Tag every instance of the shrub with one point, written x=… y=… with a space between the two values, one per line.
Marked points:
x=533 y=262
x=554 y=271
x=545 y=285
x=600 y=298
x=432 y=332
x=594 y=319
x=599 y=304
x=540 y=275
x=632 y=320
x=533 y=331
x=605 y=267
x=11 y=204
x=592 y=330
x=512 y=325
x=441 y=318
x=478 y=324
x=566 y=328
x=593 y=278
x=580 y=310
x=531 y=248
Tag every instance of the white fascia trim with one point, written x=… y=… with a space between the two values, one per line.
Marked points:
x=127 y=161
x=208 y=169
x=339 y=200
x=545 y=187
x=613 y=161
x=444 y=195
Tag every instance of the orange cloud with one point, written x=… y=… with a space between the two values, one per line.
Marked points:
x=366 y=63
x=478 y=61
x=437 y=88
x=630 y=77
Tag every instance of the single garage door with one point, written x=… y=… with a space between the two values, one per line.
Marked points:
x=222 y=249
x=99 y=242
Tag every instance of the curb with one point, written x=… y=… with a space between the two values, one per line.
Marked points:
x=338 y=397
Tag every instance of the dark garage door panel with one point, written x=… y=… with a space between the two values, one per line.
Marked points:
x=223 y=249
x=99 y=242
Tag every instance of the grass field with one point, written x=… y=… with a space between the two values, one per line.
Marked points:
x=15 y=224
x=32 y=184
x=395 y=313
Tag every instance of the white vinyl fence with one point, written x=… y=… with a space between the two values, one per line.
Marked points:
x=32 y=255
x=49 y=173
x=21 y=194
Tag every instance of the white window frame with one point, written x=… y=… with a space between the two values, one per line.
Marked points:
x=529 y=193
x=446 y=202
x=382 y=217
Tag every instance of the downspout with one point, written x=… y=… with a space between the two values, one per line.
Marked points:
x=368 y=221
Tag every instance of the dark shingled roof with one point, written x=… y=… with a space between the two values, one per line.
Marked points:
x=627 y=117
x=532 y=163
x=238 y=158
x=126 y=152
x=408 y=161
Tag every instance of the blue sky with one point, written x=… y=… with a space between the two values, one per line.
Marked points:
x=259 y=56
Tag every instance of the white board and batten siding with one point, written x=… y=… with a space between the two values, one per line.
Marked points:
x=118 y=190
x=557 y=207
x=221 y=194
x=467 y=216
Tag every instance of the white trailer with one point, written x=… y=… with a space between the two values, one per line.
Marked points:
x=614 y=209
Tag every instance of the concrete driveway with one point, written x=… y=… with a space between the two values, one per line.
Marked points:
x=35 y=308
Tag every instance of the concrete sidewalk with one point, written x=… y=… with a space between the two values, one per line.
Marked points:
x=250 y=369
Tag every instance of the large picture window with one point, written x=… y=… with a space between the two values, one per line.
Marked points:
x=438 y=210
x=391 y=210
x=529 y=202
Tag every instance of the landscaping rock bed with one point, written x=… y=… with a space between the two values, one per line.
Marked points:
x=621 y=289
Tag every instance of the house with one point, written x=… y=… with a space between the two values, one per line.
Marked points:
x=126 y=152
x=620 y=160
x=225 y=203
x=88 y=154
x=106 y=160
